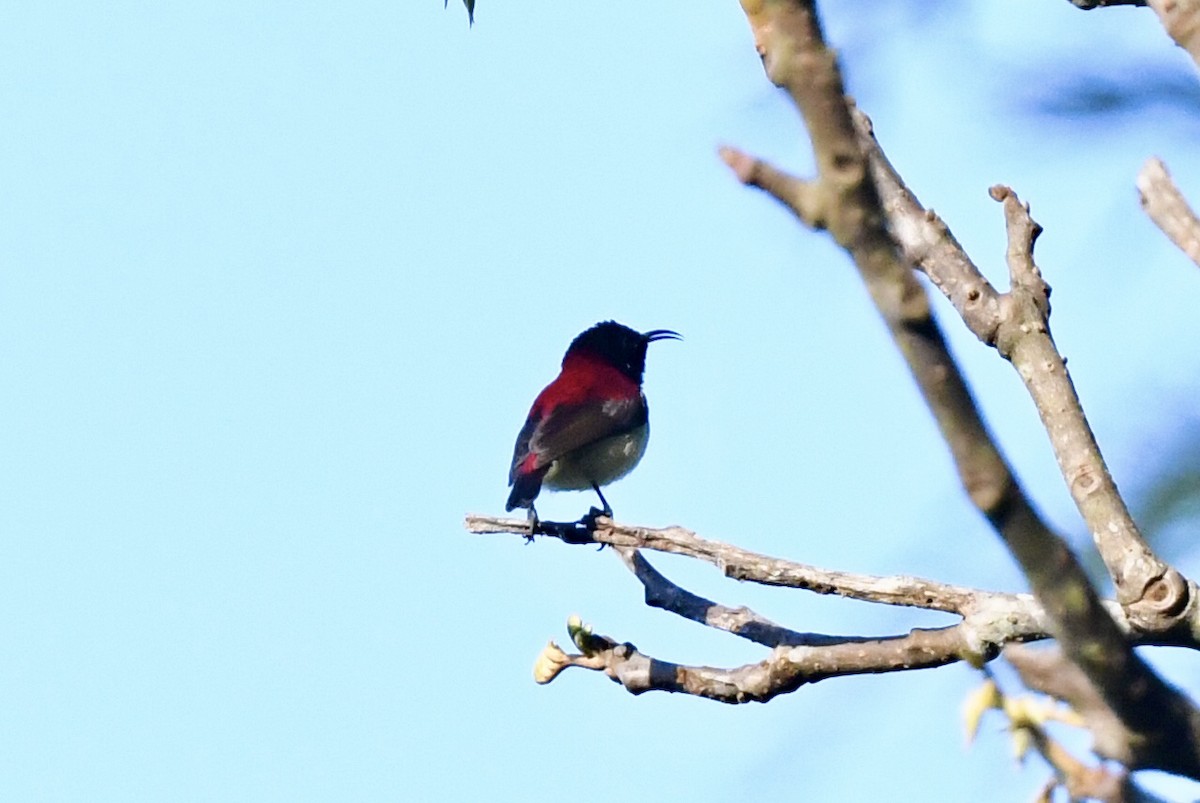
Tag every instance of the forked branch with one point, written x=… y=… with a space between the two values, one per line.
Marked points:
x=789 y=39
x=860 y=200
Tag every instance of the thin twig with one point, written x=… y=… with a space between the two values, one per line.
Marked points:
x=1181 y=19
x=784 y=671
x=663 y=594
x=1157 y=595
x=1151 y=589
x=1167 y=207
x=743 y=564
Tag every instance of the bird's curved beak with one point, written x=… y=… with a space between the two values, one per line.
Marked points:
x=661 y=334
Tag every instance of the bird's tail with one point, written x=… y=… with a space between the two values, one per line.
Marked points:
x=525 y=488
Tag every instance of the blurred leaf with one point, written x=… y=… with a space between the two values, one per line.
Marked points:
x=976 y=704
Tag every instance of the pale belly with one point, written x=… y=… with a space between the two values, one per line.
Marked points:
x=601 y=463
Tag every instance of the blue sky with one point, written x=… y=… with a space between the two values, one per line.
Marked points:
x=278 y=282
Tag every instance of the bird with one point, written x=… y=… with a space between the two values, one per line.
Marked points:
x=589 y=427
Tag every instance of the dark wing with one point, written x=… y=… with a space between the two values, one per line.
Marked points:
x=570 y=427
x=521 y=450
x=525 y=484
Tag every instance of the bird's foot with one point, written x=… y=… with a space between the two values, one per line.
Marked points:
x=592 y=516
x=589 y=521
x=569 y=532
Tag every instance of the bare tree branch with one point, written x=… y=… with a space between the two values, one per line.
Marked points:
x=743 y=564
x=784 y=671
x=857 y=197
x=929 y=245
x=789 y=38
x=983 y=471
x=998 y=617
x=800 y=196
x=1181 y=19
x=1027 y=717
x=844 y=200
x=1049 y=671
x=1087 y=5
x=1016 y=324
x=1155 y=593
x=1167 y=207
x=666 y=595
x=1081 y=781
x=1150 y=587
x=1147 y=585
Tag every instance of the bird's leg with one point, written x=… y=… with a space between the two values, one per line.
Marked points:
x=589 y=521
x=607 y=512
x=534 y=524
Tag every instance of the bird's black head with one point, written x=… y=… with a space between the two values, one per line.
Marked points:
x=620 y=346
